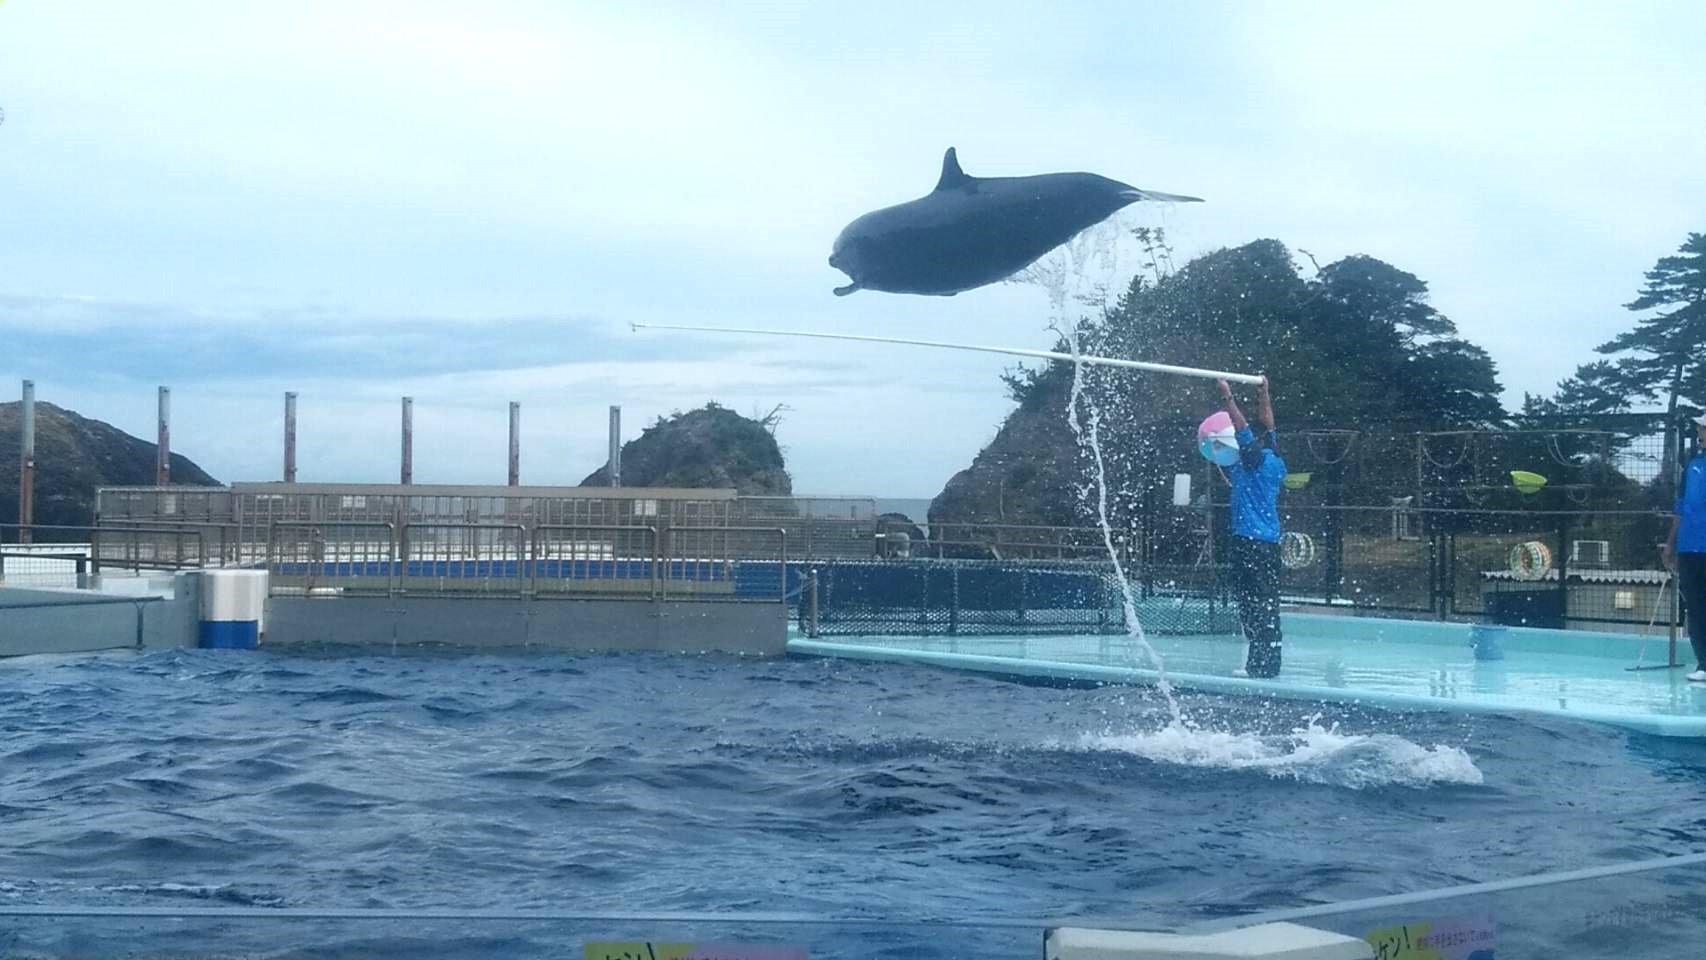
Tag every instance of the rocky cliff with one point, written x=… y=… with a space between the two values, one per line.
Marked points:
x=709 y=447
x=74 y=455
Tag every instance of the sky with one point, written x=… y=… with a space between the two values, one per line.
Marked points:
x=469 y=204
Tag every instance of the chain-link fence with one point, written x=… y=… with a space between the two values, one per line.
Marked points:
x=44 y=565
x=993 y=598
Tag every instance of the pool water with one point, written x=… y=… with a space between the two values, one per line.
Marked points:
x=1426 y=665
x=836 y=788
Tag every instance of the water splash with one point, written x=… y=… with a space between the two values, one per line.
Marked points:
x=1081 y=273
x=1311 y=753
x=1134 y=627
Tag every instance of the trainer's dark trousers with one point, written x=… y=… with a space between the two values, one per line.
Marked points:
x=1255 y=581
x=1691 y=581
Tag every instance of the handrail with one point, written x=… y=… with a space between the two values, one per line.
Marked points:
x=198 y=526
x=1450 y=893
x=782 y=546
x=538 y=560
x=519 y=914
x=94 y=532
x=81 y=601
x=407 y=542
x=314 y=567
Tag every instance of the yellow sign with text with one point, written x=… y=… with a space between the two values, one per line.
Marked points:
x=636 y=950
x=1461 y=939
x=654 y=950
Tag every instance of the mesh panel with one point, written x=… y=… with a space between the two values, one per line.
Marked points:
x=994 y=598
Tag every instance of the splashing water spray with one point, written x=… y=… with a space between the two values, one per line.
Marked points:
x=1089 y=262
x=1081 y=272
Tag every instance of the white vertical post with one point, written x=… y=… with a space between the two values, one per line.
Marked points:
x=514 y=444
x=27 y=463
x=408 y=469
x=289 y=437
x=163 y=441
x=615 y=445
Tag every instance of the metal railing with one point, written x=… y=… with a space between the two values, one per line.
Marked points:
x=727 y=560
x=359 y=557
x=130 y=546
x=1537 y=567
x=1009 y=541
x=465 y=558
x=315 y=558
x=1444 y=562
x=584 y=559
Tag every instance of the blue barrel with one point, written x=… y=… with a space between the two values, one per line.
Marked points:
x=1488 y=640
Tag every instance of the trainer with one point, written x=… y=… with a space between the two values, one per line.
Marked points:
x=1255 y=538
x=1685 y=548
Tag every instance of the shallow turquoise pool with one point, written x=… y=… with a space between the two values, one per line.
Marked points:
x=1385 y=663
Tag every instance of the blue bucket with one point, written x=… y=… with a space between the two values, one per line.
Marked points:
x=1488 y=640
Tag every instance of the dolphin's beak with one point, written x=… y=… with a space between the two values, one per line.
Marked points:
x=1133 y=195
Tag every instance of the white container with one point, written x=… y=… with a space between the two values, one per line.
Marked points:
x=233 y=608
x=1181 y=489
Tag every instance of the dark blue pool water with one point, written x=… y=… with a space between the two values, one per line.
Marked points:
x=646 y=783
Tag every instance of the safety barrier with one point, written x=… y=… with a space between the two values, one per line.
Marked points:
x=1601 y=566
x=513 y=560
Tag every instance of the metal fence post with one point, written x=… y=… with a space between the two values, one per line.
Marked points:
x=954 y=605
x=27 y=462
x=614 y=463
x=289 y=437
x=1024 y=587
x=514 y=444
x=163 y=442
x=811 y=605
x=406 y=473
x=1333 y=568
x=1436 y=573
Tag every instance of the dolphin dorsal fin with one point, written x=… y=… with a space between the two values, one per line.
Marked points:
x=952 y=175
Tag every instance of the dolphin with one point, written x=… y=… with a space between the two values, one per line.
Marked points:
x=972 y=231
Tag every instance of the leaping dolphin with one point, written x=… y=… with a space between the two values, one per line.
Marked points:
x=972 y=231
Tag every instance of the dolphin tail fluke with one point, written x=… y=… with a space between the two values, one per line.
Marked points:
x=844 y=291
x=1134 y=193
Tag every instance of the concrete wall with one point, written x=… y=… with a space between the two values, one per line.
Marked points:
x=748 y=628
x=53 y=621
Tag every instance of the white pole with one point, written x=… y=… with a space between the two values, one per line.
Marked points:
x=615 y=445
x=1041 y=354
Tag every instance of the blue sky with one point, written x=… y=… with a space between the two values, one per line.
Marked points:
x=468 y=203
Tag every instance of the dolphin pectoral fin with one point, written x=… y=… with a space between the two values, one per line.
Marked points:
x=844 y=291
x=1136 y=194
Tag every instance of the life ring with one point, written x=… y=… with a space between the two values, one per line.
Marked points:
x=1296 y=550
x=1530 y=560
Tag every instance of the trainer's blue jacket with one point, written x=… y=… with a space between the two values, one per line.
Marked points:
x=1691 y=508
x=1255 y=489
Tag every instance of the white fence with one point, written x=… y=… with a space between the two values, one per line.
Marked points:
x=44 y=565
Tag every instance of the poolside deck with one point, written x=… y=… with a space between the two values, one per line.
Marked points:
x=1412 y=665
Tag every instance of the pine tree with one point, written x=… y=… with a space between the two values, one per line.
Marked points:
x=1666 y=356
x=1666 y=345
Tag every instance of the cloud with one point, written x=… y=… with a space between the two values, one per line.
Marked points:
x=229 y=368
x=471 y=202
